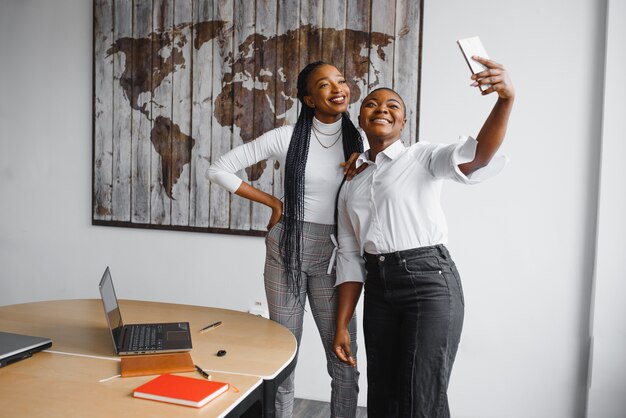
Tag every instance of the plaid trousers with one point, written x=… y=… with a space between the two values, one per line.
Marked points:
x=288 y=310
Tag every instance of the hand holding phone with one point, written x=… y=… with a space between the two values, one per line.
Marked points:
x=471 y=47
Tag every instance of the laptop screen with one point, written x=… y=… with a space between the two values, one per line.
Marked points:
x=111 y=307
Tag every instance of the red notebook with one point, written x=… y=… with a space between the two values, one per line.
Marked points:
x=181 y=390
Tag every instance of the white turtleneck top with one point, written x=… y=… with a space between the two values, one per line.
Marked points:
x=322 y=174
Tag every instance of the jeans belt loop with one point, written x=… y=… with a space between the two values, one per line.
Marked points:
x=442 y=251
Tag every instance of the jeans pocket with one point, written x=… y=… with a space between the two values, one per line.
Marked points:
x=274 y=227
x=422 y=266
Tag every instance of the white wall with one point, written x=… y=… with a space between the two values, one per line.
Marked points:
x=608 y=369
x=524 y=241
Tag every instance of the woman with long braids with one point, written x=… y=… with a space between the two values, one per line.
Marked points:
x=300 y=239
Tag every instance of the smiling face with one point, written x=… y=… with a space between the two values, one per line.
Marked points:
x=328 y=93
x=382 y=115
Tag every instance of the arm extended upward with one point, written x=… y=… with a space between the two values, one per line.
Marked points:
x=493 y=131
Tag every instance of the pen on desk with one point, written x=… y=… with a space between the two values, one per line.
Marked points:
x=213 y=325
x=202 y=372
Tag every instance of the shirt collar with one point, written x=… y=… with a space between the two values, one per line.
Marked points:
x=394 y=150
x=362 y=159
x=391 y=152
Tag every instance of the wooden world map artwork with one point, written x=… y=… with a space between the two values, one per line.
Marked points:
x=177 y=83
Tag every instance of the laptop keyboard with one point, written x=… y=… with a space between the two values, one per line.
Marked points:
x=146 y=337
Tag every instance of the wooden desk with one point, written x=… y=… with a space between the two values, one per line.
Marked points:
x=259 y=353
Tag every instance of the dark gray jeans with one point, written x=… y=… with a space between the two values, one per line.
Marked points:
x=412 y=321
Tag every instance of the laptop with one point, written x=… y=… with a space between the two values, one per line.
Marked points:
x=140 y=338
x=15 y=347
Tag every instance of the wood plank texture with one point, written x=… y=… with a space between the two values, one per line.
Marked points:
x=243 y=103
x=182 y=143
x=141 y=117
x=285 y=100
x=263 y=116
x=160 y=136
x=202 y=110
x=310 y=47
x=381 y=59
x=122 y=127
x=223 y=116
x=178 y=83
x=406 y=62
x=333 y=39
x=358 y=20
x=103 y=117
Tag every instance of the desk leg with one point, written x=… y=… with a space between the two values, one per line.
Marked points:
x=270 y=387
x=251 y=406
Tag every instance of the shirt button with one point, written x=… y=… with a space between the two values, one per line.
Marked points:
x=381 y=258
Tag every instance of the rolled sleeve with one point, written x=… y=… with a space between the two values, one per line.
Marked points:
x=218 y=174
x=350 y=267
x=464 y=152
x=350 y=264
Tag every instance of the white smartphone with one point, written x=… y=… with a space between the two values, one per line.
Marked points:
x=470 y=47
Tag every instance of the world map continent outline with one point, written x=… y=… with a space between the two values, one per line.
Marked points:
x=146 y=66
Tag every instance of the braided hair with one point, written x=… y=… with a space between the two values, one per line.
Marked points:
x=295 y=164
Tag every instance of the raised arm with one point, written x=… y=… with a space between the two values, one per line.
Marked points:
x=492 y=133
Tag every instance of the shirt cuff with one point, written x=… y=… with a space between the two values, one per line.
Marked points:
x=229 y=181
x=465 y=152
x=350 y=268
